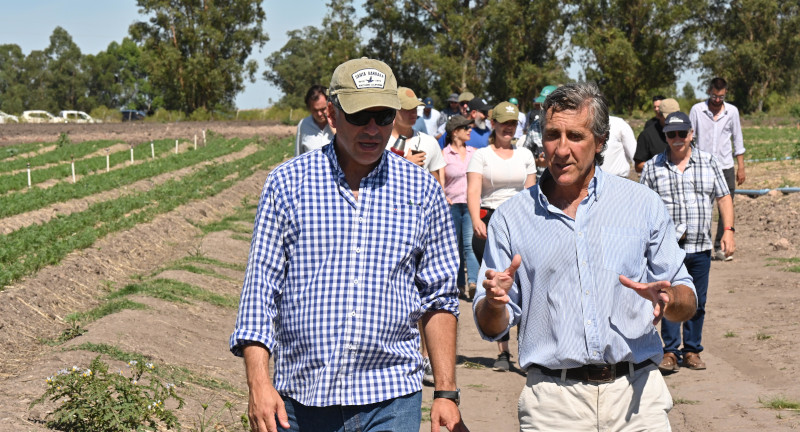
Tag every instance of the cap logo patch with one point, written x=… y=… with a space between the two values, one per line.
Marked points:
x=510 y=109
x=675 y=120
x=369 y=78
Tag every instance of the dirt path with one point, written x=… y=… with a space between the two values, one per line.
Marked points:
x=750 y=333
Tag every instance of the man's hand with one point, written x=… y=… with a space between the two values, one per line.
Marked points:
x=418 y=158
x=728 y=244
x=653 y=291
x=444 y=412
x=497 y=284
x=740 y=176
x=264 y=404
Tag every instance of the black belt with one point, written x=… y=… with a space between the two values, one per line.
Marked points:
x=594 y=373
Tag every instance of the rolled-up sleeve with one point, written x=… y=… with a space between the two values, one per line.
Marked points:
x=664 y=256
x=438 y=266
x=265 y=275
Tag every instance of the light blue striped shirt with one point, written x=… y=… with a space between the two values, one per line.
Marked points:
x=567 y=297
x=335 y=286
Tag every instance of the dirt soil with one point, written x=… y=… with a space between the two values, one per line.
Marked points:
x=750 y=341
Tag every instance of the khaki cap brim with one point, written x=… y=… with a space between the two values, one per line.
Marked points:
x=353 y=101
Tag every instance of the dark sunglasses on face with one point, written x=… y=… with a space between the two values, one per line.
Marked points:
x=362 y=118
x=673 y=134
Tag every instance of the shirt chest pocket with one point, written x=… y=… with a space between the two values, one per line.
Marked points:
x=623 y=251
x=401 y=232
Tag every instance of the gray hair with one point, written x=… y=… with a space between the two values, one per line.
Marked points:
x=577 y=96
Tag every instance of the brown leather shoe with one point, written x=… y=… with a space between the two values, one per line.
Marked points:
x=693 y=361
x=669 y=364
x=472 y=288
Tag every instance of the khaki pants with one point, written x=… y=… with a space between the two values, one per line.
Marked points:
x=630 y=403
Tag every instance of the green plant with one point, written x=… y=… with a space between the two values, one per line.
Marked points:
x=684 y=401
x=730 y=334
x=93 y=399
x=762 y=336
x=780 y=403
x=63 y=140
x=214 y=421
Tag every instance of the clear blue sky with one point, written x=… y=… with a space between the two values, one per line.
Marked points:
x=93 y=24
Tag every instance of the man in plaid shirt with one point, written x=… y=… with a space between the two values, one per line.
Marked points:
x=353 y=246
x=689 y=181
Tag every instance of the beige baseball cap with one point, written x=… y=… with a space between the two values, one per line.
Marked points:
x=669 y=106
x=505 y=111
x=408 y=100
x=364 y=83
x=465 y=97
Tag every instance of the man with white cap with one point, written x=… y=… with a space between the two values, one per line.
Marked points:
x=353 y=254
x=689 y=180
x=420 y=148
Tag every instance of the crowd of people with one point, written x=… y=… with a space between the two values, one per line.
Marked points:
x=392 y=211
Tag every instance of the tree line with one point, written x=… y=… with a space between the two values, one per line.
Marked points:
x=189 y=54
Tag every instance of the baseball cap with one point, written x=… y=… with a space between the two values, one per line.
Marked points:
x=453 y=97
x=545 y=92
x=505 y=111
x=364 y=83
x=456 y=122
x=478 y=104
x=669 y=106
x=408 y=100
x=465 y=97
x=428 y=102
x=677 y=121
x=513 y=101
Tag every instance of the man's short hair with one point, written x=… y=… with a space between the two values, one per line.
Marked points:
x=314 y=92
x=577 y=96
x=657 y=98
x=717 y=84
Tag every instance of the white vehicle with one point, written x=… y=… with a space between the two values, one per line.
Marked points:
x=77 y=117
x=38 y=116
x=8 y=118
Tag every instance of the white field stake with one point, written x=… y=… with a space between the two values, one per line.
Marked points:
x=73 y=169
x=176 y=146
x=195 y=141
x=152 y=151
x=108 y=160
x=131 y=153
x=204 y=137
x=29 y=175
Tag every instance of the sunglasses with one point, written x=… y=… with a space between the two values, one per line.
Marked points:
x=362 y=118
x=673 y=134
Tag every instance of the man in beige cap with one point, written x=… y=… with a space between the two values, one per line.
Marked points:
x=420 y=148
x=651 y=140
x=353 y=255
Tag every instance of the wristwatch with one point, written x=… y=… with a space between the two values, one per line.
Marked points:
x=730 y=228
x=454 y=396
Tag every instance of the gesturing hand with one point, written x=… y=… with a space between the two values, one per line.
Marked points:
x=653 y=291
x=497 y=284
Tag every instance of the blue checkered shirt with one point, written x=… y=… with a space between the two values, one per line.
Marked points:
x=567 y=297
x=335 y=286
x=689 y=196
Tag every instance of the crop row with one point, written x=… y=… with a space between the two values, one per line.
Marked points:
x=29 y=249
x=62 y=153
x=97 y=164
x=35 y=198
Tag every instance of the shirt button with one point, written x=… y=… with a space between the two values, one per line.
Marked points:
x=589 y=322
x=353 y=313
x=580 y=234
x=361 y=220
x=358 y=250
x=583 y=263
x=587 y=292
x=355 y=281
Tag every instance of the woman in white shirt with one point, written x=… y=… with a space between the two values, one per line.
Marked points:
x=495 y=174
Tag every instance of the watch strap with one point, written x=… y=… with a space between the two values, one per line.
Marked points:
x=453 y=395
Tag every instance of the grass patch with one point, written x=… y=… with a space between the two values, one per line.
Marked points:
x=476 y=386
x=175 y=374
x=791 y=264
x=108 y=308
x=780 y=403
x=763 y=336
x=245 y=238
x=729 y=334
x=769 y=142
x=178 y=292
x=245 y=213
x=473 y=365
x=192 y=269
x=72 y=332
x=214 y=262
x=684 y=401
x=426 y=413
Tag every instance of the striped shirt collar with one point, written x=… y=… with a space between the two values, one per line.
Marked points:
x=595 y=187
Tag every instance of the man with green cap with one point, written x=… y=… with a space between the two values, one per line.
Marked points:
x=353 y=255
x=533 y=136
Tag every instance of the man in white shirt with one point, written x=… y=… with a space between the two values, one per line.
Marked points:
x=420 y=148
x=429 y=116
x=313 y=132
x=621 y=146
x=521 y=123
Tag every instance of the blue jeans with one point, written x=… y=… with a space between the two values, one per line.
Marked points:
x=463 y=226
x=401 y=414
x=698 y=265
